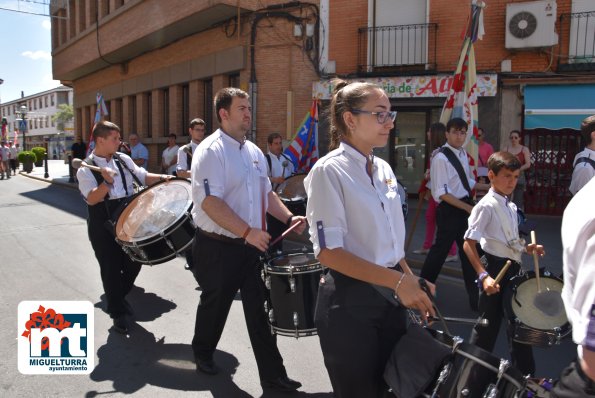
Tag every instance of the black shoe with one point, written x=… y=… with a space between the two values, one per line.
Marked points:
x=207 y=366
x=121 y=324
x=282 y=383
x=187 y=267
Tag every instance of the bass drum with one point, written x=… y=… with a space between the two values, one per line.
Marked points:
x=293 y=194
x=156 y=224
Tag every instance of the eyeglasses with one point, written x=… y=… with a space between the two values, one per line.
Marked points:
x=458 y=132
x=381 y=117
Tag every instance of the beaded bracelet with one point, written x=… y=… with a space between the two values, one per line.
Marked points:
x=395 y=294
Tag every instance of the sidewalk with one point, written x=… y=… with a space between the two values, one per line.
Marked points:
x=547 y=228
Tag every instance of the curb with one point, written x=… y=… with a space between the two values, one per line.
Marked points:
x=49 y=181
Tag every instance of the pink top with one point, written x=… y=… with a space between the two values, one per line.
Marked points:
x=484 y=152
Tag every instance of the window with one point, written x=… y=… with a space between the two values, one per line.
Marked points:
x=52 y=98
x=165 y=126
x=234 y=80
x=149 y=114
x=46 y=101
x=208 y=101
x=185 y=109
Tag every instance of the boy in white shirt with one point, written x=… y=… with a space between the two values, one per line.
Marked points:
x=494 y=224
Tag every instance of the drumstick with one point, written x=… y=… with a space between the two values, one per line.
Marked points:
x=502 y=272
x=284 y=234
x=78 y=163
x=536 y=262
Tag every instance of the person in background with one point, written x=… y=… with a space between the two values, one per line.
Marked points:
x=524 y=155
x=279 y=168
x=436 y=138
x=358 y=231
x=4 y=161
x=584 y=161
x=139 y=152
x=184 y=161
x=484 y=151
x=578 y=293
x=13 y=157
x=169 y=158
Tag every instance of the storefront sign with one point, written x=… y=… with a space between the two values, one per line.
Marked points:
x=413 y=86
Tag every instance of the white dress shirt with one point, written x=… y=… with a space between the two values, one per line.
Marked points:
x=87 y=181
x=233 y=172
x=578 y=244
x=583 y=172
x=169 y=154
x=348 y=209
x=277 y=169
x=444 y=177
x=183 y=157
x=485 y=225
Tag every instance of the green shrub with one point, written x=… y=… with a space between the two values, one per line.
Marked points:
x=26 y=156
x=39 y=152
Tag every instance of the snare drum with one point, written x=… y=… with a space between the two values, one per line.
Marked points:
x=538 y=319
x=293 y=194
x=156 y=224
x=474 y=372
x=292 y=280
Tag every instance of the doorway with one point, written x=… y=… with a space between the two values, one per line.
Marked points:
x=409 y=154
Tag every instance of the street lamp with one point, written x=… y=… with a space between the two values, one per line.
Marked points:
x=22 y=113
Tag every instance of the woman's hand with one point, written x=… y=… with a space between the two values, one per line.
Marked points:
x=411 y=295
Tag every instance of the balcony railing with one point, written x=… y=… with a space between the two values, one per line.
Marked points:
x=577 y=42
x=386 y=49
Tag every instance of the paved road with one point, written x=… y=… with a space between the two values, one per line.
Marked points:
x=47 y=256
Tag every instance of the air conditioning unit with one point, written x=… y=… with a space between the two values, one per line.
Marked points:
x=531 y=24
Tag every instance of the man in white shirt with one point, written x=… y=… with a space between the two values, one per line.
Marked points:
x=584 y=162
x=455 y=203
x=184 y=161
x=196 y=131
x=231 y=194
x=279 y=168
x=578 y=293
x=13 y=157
x=169 y=158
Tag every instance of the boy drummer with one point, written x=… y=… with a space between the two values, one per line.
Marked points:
x=494 y=224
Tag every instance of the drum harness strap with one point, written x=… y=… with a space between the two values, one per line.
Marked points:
x=118 y=161
x=456 y=163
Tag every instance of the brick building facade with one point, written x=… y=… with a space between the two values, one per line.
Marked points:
x=158 y=64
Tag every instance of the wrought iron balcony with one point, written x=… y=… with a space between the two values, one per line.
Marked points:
x=400 y=48
x=577 y=42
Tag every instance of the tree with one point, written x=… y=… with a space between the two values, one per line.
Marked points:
x=64 y=115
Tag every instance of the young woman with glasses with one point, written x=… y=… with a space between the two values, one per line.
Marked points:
x=524 y=155
x=358 y=232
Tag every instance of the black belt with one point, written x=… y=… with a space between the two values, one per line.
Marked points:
x=221 y=238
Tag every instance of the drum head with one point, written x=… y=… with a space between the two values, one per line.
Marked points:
x=543 y=310
x=293 y=262
x=153 y=210
x=292 y=188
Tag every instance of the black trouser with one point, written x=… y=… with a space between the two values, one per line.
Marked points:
x=574 y=383
x=358 y=329
x=222 y=269
x=118 y=271
x=13 y=165
x=492 y=308
x=275 y=228
x=451 y=223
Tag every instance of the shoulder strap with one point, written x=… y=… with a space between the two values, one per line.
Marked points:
x=454 y=160
x=585 y=160
x=140 y=184
x=188 y=156
x=266 y=155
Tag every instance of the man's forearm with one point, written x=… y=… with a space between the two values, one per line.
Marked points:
x=223 y=215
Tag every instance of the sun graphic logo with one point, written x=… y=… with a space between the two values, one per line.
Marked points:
x=56 y=337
